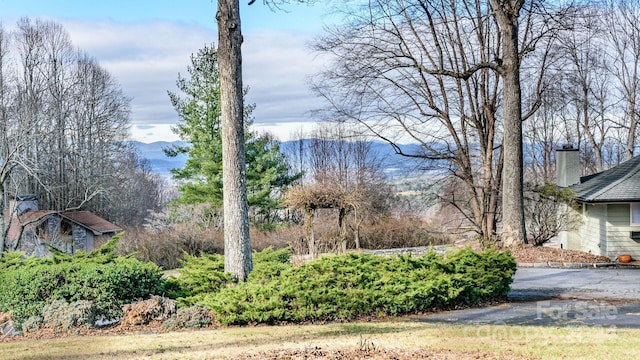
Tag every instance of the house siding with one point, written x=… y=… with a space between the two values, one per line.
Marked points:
x=80 y=239
x=32 y=245
x=618 y=231
x=571 y=239
x=593 y=237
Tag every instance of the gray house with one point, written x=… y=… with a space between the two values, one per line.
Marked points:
x=609 y=204
x=36 y=231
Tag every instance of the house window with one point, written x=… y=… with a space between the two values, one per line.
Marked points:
x=635 y=214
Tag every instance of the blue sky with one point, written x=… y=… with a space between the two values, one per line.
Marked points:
x=145 y=44
x=201 y=12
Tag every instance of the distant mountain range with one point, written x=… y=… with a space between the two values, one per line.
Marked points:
x=392 y=164
x=154 y=153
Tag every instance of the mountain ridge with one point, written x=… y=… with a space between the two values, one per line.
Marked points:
x=391 y=163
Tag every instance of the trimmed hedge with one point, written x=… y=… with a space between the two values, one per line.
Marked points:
x=348 y=286
x=109 y=282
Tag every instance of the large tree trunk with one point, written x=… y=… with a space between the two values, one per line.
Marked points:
x=237 y=245
x=513 y=225
x=3 y=224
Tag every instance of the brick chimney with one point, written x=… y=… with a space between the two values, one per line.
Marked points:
x=568 y=168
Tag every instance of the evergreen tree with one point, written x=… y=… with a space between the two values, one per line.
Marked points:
x=200 y=180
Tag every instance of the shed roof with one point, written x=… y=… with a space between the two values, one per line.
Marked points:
x=26 y=222
x=618 y=184
x=91 y=221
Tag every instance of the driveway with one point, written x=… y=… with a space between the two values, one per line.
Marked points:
x=606 y=283
x=606 y=298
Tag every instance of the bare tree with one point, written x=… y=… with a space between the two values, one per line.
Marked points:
x=72 y=120
x=5 y=148
x=345 y=176
x=344 y=161
x=622 y=21
x=550 y=210
x=12 y=139
x=422 y=70
x=433 y=73
x=30 y=94
x=58 y=59
x=542 y=135
x=96 y=132
x=587 y=82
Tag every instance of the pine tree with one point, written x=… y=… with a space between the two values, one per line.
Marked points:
x=200 y=180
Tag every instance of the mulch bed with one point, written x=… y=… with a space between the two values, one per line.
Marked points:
x=541 y=254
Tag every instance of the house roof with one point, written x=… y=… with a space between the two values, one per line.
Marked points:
x=28 y=220
x=34 y=218
x=618 y=184
x=91 y=221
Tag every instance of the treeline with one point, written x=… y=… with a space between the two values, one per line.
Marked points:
x=591 y=95
x=63 y=124
x=433 y=73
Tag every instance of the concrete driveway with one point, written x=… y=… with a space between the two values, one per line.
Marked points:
x=606 y=298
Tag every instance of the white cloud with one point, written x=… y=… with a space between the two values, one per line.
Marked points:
x=153 y=132
x=146 y=57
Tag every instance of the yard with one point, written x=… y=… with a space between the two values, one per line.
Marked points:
x=401 y=338
x=386 y=338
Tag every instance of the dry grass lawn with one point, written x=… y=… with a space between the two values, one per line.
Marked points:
x=391 y=339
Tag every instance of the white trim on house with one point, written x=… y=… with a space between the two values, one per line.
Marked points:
x=635 y=214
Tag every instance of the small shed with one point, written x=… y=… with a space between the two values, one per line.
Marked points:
x=36 y=231
x=609 y=204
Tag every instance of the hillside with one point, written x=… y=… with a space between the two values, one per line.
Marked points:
x=392 y=164
x=160 y=163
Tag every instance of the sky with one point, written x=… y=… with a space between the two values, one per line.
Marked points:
x=145 y=44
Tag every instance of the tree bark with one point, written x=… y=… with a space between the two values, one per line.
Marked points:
x=308 y=225
x=513 y=225
x=342 y=224
x=3 y=224
x=237 y=245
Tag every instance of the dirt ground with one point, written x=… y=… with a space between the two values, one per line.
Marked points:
x=319 y=353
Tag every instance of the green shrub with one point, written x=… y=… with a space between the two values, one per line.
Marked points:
x=11 y=260
x=205 y=274
x=108 y=282
x=349 y=286
x=202 y=274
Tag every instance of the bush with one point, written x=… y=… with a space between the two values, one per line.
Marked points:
x=167 y=248
x=202 y=274
x=405 y=231
x=192 y=317
x=67 y=315
x=108 y=282
x=205 y=274
x=32 y=324
x=61 y=314
x=349 y=286
x=143 y=312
